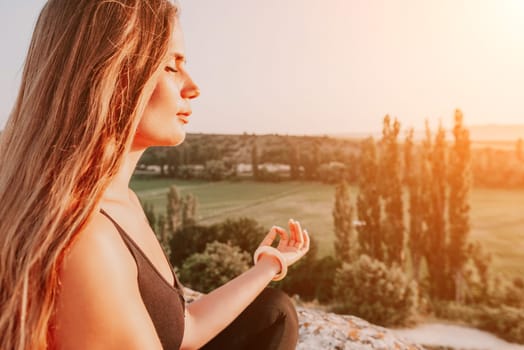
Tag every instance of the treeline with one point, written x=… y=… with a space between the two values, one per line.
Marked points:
x=217 y=157
x=497 y=168
x=326 y=159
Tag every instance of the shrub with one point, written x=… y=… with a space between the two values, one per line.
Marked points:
x=505 y=321
x=242 y=232
x=218 y=264
x=189 y=240
x=506 y=292
x=245 y=233
x=367 y=288
x=324 y=271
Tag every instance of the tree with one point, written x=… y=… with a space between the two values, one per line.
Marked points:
x=173 y=161
x=368 y=203
x=254 y=159
x=173 y=209
x=390 y=187
x=310 y=160
x=189 y=208
x=150 y=214
x=459 y=181
x=163 y=235
x=412 y=179
x=215 y=170
x=437 y=238
x=343 y=218
x=293 y=160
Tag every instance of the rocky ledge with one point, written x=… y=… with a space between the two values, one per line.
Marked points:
x=322 y=330
x=329 y=331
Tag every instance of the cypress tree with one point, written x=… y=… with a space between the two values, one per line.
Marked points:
x=150 y=214
x=342 y=219
x=391 y=193
x=189 y=207
x=173 y=210
x=412 y=180
x=437 y=238
x=459 y=181
x=368 y=203
x=163 y=235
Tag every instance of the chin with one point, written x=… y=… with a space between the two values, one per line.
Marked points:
x=165 y=139
x=175 y=139
x=179 y=140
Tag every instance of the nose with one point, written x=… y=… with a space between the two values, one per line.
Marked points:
x=190 y=89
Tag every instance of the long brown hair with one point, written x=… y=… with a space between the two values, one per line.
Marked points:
x=89 y=72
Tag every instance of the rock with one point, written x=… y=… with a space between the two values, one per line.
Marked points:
x=329 y=331
x=323 y=330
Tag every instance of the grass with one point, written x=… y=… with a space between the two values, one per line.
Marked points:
x=497 y=217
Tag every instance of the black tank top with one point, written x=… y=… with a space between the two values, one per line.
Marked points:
x=164 y=302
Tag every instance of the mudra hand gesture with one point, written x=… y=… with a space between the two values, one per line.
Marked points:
x=290 y=249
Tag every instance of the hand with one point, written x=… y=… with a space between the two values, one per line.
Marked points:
x=292 y=246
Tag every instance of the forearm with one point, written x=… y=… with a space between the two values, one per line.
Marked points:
x=213 y=312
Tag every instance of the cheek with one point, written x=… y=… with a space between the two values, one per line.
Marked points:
x=164 y=100
x=159 y=125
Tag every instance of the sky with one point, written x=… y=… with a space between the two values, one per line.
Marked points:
x=331 y=66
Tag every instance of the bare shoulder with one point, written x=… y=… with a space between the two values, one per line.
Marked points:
x=99 y=304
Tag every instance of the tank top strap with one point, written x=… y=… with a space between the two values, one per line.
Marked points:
x=164 y=302
x=141 y=258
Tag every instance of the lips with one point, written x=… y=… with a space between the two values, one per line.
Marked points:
x=184 y=119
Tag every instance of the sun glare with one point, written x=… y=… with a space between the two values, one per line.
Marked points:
x=512 y=15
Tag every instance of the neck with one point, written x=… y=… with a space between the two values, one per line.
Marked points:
x=118 y=190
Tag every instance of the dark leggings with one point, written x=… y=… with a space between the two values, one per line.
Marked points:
x=269 y=322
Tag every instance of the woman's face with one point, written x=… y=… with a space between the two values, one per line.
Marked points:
x=168 y=109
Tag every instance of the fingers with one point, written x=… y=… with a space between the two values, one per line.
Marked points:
x=292 y=233
x=270 y=237
x=306 y=240
x=300 y=234
x=297 y=236
x=284 y=236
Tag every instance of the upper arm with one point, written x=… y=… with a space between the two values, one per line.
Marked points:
x=99 y=304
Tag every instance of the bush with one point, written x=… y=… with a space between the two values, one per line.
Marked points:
x=368 y=289
x=189 y=240
x=506 y=292
x=505 y=321
x=324 y=271
x=218 y=264
x=243 y=232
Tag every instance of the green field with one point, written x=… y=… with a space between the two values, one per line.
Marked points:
x=497 y=216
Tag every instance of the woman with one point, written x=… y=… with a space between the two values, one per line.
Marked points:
x=80 y=266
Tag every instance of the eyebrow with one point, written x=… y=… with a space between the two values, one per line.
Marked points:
x=178 y=56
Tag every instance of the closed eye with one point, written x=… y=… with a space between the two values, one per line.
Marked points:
x=171 y=69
